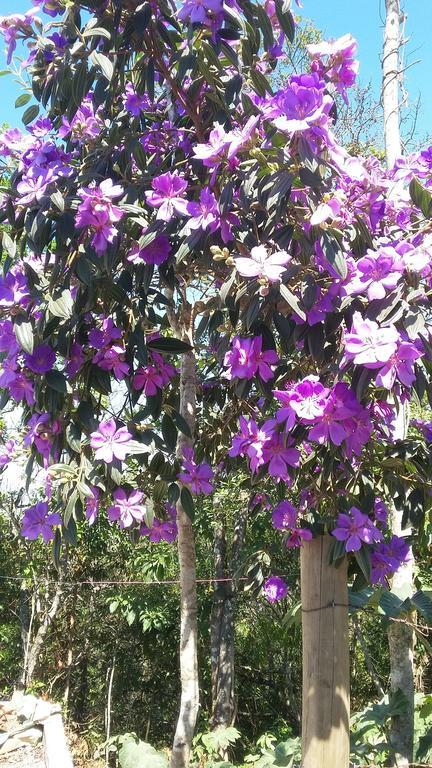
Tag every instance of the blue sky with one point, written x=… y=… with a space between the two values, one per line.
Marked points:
x=363 y=18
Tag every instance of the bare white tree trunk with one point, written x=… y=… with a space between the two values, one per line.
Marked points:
x=390 y=84
x=401 y=637
x=189 y=701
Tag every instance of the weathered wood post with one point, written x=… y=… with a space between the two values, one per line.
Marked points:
x=326 y=699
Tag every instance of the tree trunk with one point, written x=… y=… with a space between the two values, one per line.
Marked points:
x=401 y=637
x=222 y=624
x=34 y=647
x=390 y=83
x=326 y=707
x=189 y=701
x=401 y=646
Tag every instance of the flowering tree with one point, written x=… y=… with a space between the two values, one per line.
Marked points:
x=197 y=278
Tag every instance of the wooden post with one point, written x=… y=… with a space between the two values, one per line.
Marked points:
x=326 y=707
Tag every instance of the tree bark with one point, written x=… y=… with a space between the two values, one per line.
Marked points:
x=34 y=647
x=326 y=705
x=390 y=83
x=222 y=623
x=189 y=701
x=401 y=637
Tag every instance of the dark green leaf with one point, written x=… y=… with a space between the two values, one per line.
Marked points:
x=421 y=197
x=30 y=114
x=56 y=381
x=187 y=502
x=169 y=432
x=181 y=423
x=104 y=63
x=23 y=100
x=169 y=345
x=334 y=254
x=364 y=561
x=292 y=301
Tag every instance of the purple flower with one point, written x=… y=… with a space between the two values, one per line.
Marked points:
x=275 y=589
x=262 y=264
x=98 y=213
x=200 y=11
x=399 y=366
x=85 y=124
x=205 y=214
x=14 y=289
x=284 y=516
x=302 y=106
x=162 y=530
x=168 y=195
x=41 y=360
x=76 y=359
x=381 y=512
x=110 y=442
x=280 y=454
x=127 y=509
x=252 y=440
x=369 y=345
x=38 y=522
x=135 y=103
x=113 y=359
x=92 y=505
x=197 y=477
x=387 y=558
x=156 y=252
x=307 y=398
x=297 y=537
x=376 y=273
x=148 y=379
x=9 y=449
x=355 y=528
x=50 y=7
x=41 y=431
x=246 y=358
x=336 y=60
x=212 y=153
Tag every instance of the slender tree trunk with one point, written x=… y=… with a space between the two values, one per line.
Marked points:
x=390 y=84
x=189 y=701
x=26 y=611
x=401 y=637
x=326 y=705
x=35 y=646
x=70 y=644
x=222 y=623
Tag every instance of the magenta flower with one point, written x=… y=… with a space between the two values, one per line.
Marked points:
x=280 y=454
x=200 y=11
x=252 y=440
x=134 y=103
x=148 y=379
x=284 y=516
x=21 y=388
x=275 y=589
x=127 y=509
x=369 y=345
x=308 y=398
x=297 y=537
x=212 y=153
x=98 y=213
x=38 y=522
x=156 y=252
x=162 y=530
x=399 y=366
x=262 y=264
x=388 y=558
x=92 y=505
x=302 y=106
x=168 y=195
x=376 y=273
x=85 y=124
x=110 y=442
x=41 y=360
x=14 y=289
x=245 y=359
x=336 y=61
x=355 y=528
x=75 y=360
x=42 y=431
x=9 y=449
x=205 y=214
x=197 y=477
x=113 y=359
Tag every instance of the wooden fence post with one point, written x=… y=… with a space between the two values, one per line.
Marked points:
x=326 y=707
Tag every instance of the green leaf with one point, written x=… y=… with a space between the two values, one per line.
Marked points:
x=9 y=245
x=63 y=306
x=25 y=336
x=421 y=197
x=286 y=20
x=23 y=100
x=137 y=754
x=364 y=561
x=292 y=301
x=175 y=346
x=187 y=502
x=334 y=254
x=57 y=381
x=103 y=63
x=181 y=423
x=56 y=549
x=169 y=432
x=30 y=114
x=97 y=32
x=390 y=604
x=422 y=601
